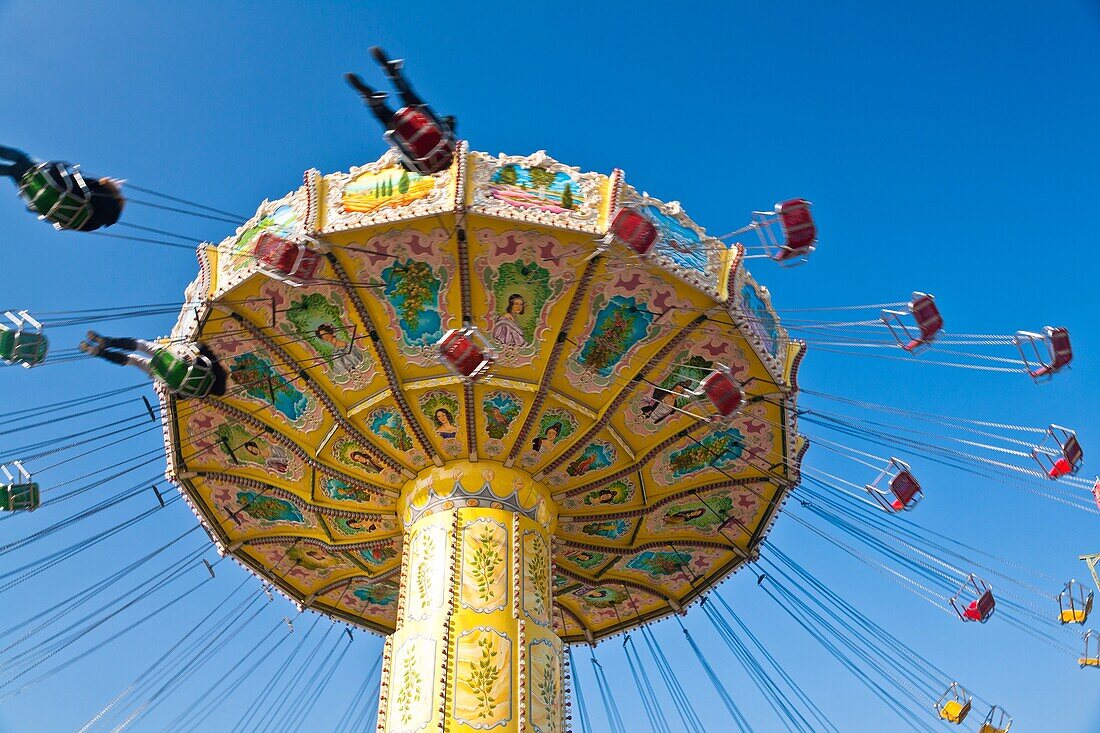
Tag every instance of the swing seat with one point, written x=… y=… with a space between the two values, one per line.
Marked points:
x=20 y=497
x=981 y=604
x=907 y=491
x=1064 y=458
x=1089 y=661
x=1076 y=615
x=990 y=728
x=282 y=259
x=1058 y=347
x=903 y=491
x=1074 y=605
x=467 y=353
x=927 y=318
x=955 y=711
x=799 y=230
x=634 y=229
x=981 y=609
x=28 y=348
x=58 y=193
x=421 y=140
x=723 y=391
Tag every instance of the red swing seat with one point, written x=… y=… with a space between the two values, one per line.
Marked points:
x=903 y=490
x=282 y=259
x=421 y=140
x=1059 y=351
x=722 y=390
x=634 y=229
x=928 y=320
x=467 y=353
x=981 y=603
x=1064 y=458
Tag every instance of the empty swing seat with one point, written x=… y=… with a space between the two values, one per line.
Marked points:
x=981 y=609
x=466 y=352
x=18 y=492
x=19 y=497
x=1074 y=604
x=634 y=229
x=723 y=391
x=799 y=230
x=954 y=711
x=926 y=316
x=1059 y=351
x=906 y=491
x=974 y=601
x=1064 y=457
x=903 y=490
x=421 y=140
x=1072 y=456
x=954 y=704
x=292 y=262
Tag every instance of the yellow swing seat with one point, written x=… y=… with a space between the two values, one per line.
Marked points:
x=954 y=711
x=1075 y=615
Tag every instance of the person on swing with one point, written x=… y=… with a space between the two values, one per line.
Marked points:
x=425 y=139
x=60 y=193
x=196 y=374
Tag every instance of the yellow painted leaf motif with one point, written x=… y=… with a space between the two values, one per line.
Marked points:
x=485 y=566
x=483 y=693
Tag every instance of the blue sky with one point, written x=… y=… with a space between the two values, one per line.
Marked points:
x=947 y=147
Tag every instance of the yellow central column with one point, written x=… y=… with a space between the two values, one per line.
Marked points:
x=474 y=647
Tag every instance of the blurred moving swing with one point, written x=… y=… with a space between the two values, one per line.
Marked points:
x=25 y=344
x=18 y=492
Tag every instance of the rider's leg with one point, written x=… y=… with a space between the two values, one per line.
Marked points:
x=141 y=361
x=375 y=100
x=19 y=162
x=392 y=69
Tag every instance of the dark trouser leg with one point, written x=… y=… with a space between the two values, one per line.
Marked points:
x=19 y=162
x=124 y=344
x=122 y=359
x=409 y=98
x=375 y=100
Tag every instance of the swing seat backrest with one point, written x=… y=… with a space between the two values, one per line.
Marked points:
x=1073 y=452
x=927 y=315
x=1061 y=353
x=635 y=230
x=981 y=609
x=799 y=230
x=906 y=490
